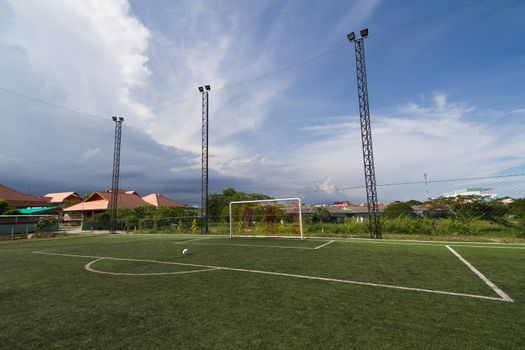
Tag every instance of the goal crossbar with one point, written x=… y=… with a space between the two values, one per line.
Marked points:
x=269 y=200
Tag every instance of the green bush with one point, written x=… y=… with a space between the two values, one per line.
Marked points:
x=45 y=224
x=103 y=217
x=519 y=229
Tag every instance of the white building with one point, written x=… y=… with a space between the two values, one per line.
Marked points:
x=487 y=193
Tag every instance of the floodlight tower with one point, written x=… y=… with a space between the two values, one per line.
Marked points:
x=366 y=134
x=204 y=185
x=116 y=174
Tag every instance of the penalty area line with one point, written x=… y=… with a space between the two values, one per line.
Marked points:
x=324 y=245
x=272 y=273
x=488 y=282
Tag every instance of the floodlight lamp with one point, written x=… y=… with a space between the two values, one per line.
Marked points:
x=364 y=33
x=121 y=119
x=207 y=87
x=114 y=119
x=201 y=89
x=351 y=36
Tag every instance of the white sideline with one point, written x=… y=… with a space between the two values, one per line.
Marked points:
x=90 y=269
x=287 y=275
x=325 y=244
x=423 y=242
x=488 y=282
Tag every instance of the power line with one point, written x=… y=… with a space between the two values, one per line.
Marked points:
x=391 y=184
x=261 y=76
x=428 y=18
x=64 y=108
x=282 y=69
x=335 y=49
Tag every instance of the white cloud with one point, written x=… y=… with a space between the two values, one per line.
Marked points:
x=97 y=56
x=89 y=55
x=91 y=153
x=328 y=186
x=221 y=45
x=443 y=139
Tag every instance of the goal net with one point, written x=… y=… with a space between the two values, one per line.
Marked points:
x=266 y=218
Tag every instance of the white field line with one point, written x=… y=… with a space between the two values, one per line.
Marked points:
x=323 y=245
x=342 y=239
x=191 y=240
x=488 y=282
x=248 y=245
x=484 y=246
x=90 y=269
x=384 y=240
x=287 y=275
x=49 y=239
x=428 y=243
x=136 y=240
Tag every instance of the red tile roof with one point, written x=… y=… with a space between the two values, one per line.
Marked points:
x=19 y=199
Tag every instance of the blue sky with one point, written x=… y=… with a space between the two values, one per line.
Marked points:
x=446 y=93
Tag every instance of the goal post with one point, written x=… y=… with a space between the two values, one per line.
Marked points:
x=270 y=218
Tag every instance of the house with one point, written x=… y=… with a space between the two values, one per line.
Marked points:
x=98 y=202
x=342 y=204
x=357 y=212
x=159 y=200
x=20 y=200
x=62 y=199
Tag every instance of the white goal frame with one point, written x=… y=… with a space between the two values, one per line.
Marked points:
x=269 y=200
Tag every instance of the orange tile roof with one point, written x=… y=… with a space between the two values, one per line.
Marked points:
x=100 y=204
x=159 y=200
x=100 y=201
x=60 y=197
x=19 y=199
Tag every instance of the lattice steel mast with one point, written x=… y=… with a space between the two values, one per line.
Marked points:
x=366 y=135
x=116 y=174
x=204 y=185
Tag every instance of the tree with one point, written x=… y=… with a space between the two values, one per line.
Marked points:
x=11 y=211
x=517 y=208
x=218 y=202
x=396 y=209
x=45 y=224
x=103 y=217
x=484 y=210
x=320 y=214
x=4 y=206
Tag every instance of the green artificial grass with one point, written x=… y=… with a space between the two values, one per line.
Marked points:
x=53 y=302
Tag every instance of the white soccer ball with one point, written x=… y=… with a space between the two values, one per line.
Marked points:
x=185 y=251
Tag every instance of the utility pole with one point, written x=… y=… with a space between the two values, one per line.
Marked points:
x=366 y=135
x=204 y=183
x=426 y=186
x=116 y=174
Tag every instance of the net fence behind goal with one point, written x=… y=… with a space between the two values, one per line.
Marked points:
x=266 y=218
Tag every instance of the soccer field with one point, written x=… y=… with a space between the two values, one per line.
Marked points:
x=141 y=292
